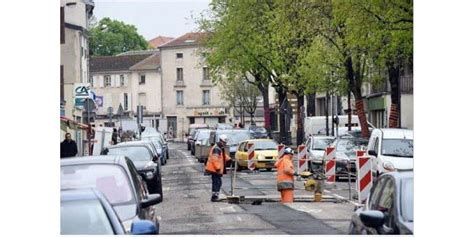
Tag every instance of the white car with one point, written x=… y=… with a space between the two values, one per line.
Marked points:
x=391 y=149
x=316 y=146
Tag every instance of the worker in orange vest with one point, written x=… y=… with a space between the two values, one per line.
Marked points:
x=285 y=175
x=216 y=165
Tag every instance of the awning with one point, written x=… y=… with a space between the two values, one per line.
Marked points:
x=69 y=123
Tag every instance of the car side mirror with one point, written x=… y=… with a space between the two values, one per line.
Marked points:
x=144 y=227
x=372 y=218
x=151 y=200
x=156 y=158
x=372 y=153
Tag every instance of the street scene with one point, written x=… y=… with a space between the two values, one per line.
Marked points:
x=236 y=117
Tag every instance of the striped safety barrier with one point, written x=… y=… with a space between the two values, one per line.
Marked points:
x=302 y=159
x=330 y=168
x=364 y=177
x=251 y=161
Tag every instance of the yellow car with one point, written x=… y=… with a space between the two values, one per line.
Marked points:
x=265 y=154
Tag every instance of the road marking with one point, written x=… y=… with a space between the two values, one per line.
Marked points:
x=229 y=209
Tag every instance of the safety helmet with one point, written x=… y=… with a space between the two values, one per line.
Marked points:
x=223 y=138
x=288 y=150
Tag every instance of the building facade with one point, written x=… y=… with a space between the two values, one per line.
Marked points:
x=126 y=80
x=75 y=18
x=188 y=96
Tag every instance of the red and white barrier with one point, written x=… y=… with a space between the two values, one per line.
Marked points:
x=302 y=159
x=364 y=177
x=280 y=149
x=330 y=168
x=251 y=161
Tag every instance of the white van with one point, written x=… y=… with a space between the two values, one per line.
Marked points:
x=391 y=149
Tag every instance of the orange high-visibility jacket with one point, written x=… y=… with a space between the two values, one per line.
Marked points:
x=285 y=172
x=216 y=160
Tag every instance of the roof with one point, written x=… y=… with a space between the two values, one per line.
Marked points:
x=116 y=63
x=151 y=63
x=397 y=133
x=259 y=140
x=79 y=194
x=188 y=39
x=159 y=41
x=93 y=160
x=138 y=52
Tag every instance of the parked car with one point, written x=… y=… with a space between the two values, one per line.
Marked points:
x=346 y=147
x=165 y=144
x=198 y=136
x=140 y=153
x=316 y=147
x=159 y=146
x=192 y=131
x=202 y=141
x=118 y=180
x=87 y=212
x=389 y=208
x=223 y=126
x=265 y=154
x=258 y=132
x=236 y=136
x=391 y=150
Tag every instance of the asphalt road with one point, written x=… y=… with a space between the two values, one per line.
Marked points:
x=187 y=209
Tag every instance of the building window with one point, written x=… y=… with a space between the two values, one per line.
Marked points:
x=206 y=97
x=179 y=74
x=142 y=80
x=205 y=73
x=107 y=81
x=125 y=101
x=179 y=98
x=122 y=80
x=191 y=120
x=179 y=55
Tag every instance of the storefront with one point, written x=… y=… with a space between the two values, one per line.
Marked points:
x=78 y=133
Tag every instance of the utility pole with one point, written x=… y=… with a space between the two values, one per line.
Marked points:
x=326 y=110
x=349 y=110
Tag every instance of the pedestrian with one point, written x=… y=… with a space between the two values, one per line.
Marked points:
x=216 y=165
x=285 y=175
x=68 y=147
x=114 y=137
x=241 y=125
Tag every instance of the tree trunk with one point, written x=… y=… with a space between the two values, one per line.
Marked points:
x=282 y=121
x=394 y=78
x=299 y=120
x=355 y=83
x=311 y=104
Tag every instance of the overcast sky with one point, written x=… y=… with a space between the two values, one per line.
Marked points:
x=153 y=17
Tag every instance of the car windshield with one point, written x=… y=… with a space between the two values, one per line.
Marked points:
x=265 y=145
x=203 y=135
x=134 y=153
x=84 y=217
x=321 y=144
x=407 y=199
x=111 y=180
x=235 y=137
x=397 y=147
x=350 y=146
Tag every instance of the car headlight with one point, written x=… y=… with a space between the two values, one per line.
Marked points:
x=150 y=165
x=388 y=166
x=260 y=157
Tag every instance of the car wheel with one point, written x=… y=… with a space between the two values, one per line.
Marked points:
x=167 y=154
x=160 y=187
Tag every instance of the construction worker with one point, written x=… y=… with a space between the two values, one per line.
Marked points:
x=216 y=165
x=285 y=175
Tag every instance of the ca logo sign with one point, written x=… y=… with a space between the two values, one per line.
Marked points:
x=82 y=90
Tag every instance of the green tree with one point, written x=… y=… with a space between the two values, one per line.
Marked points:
x=110 y=37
